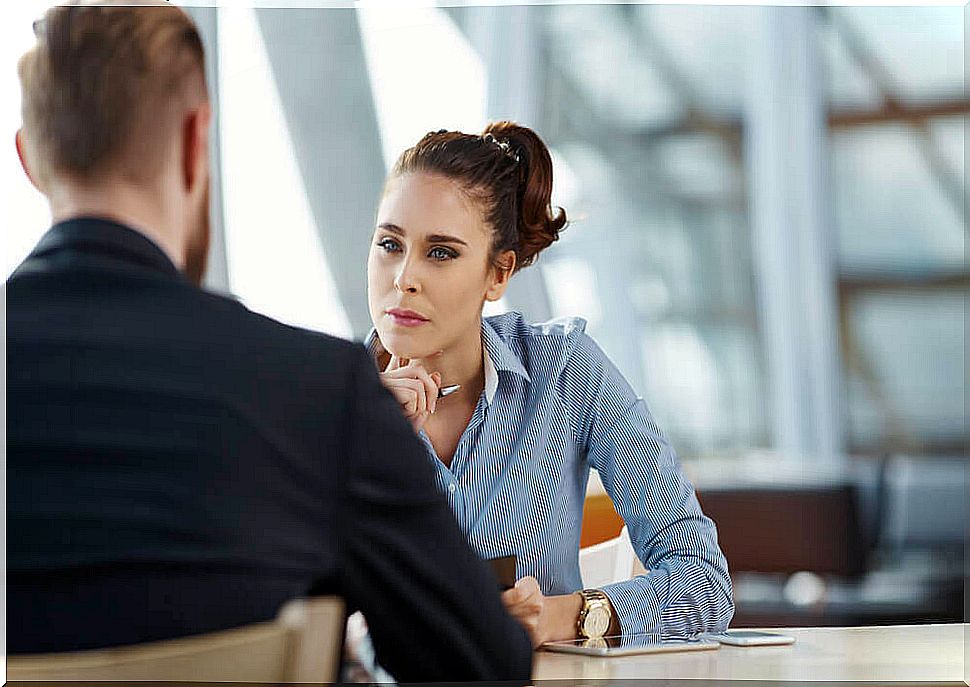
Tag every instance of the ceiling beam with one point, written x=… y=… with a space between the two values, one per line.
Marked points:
x=844 y=118
x=896 y=112
x=904 y=282
x=949 y=179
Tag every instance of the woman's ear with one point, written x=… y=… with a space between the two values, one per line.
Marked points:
x=499 y=275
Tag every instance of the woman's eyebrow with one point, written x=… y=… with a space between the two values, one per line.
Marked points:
x=432 y=238
x=444 y=238
x=392 y=228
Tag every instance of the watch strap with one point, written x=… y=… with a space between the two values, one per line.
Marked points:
x=591 y=598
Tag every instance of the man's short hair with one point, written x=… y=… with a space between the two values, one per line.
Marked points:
x=104 y=88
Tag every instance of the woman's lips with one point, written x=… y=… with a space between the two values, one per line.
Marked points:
x=406 y=320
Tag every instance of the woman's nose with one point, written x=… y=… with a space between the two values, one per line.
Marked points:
x=405 y=280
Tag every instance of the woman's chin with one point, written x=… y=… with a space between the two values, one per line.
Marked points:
x=406 y=345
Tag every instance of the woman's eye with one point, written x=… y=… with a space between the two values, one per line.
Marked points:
x=389 y=245
x=439 y=253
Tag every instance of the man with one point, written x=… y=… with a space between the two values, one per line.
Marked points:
x=175 y=463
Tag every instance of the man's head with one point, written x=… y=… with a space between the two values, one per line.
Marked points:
x=115 y=112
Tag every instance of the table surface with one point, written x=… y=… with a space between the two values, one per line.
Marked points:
x=919 y=653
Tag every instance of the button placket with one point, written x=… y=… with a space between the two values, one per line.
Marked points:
x=459 y=462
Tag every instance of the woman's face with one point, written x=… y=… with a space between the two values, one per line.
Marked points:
x=429 y=272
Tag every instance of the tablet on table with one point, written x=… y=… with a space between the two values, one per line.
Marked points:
x=625 y=645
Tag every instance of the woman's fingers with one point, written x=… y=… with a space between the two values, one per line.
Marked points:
x=406 y=396
x=430 y=387
x=512 y=597
x=416 y=387
x=528 y=587
x=396 y=363
x=415 y=372
x=525 y=602
x=524 y=598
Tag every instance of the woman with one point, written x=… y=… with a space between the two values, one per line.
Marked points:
x=536 y=406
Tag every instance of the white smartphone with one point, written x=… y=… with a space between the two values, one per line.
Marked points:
x=751 y=638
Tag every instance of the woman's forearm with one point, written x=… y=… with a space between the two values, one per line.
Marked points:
x=681 y=597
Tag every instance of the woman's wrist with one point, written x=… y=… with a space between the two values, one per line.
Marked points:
x=565 y=623
x=563 y=617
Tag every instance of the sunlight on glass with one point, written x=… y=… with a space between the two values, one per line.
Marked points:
x=572 y=289
x=681 y=370
x=276 y=261
x=24 y=216
x=567 y=186
x=424 y=74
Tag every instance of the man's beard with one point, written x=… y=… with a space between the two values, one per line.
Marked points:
x=197 y=246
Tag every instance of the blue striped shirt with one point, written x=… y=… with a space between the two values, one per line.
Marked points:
x=553 y=407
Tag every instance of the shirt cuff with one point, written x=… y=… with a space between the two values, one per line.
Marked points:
x=636 y=602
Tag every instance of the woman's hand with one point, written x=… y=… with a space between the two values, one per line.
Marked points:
x=545 y=618
x=525 y=603
x=413 y=387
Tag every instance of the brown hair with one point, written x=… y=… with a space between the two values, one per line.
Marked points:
x=507 y=170
x=103 y=86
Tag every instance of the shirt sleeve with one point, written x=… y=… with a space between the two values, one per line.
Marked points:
x=432 y=605
x=687 y=589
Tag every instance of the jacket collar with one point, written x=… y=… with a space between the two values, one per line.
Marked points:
x=98 y=235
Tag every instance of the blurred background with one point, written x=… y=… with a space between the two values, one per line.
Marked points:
x=768 y=237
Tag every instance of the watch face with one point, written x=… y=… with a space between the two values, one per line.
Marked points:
x=597 y=622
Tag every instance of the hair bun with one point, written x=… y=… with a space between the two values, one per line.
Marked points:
x=538 y=225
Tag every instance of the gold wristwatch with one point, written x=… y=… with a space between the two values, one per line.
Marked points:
x=595 y=615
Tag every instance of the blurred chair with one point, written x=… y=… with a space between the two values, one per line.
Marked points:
x=303 y=644
x=600 y=520
x=609 y=561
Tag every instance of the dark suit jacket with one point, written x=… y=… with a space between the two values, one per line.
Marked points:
x=177 y=464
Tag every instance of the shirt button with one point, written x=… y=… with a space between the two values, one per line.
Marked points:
x=451 y=488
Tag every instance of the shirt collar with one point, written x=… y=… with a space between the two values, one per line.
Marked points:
x=105 y=236
x=373 y=344
x=491 y=376
x=500 y=353
x=496 y=357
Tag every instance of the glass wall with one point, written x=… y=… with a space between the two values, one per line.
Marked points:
x=647 y=110
x=650 y=128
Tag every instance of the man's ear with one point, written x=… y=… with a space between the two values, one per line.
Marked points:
x=195 y=145
x=500 y=273
x=21 y=146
